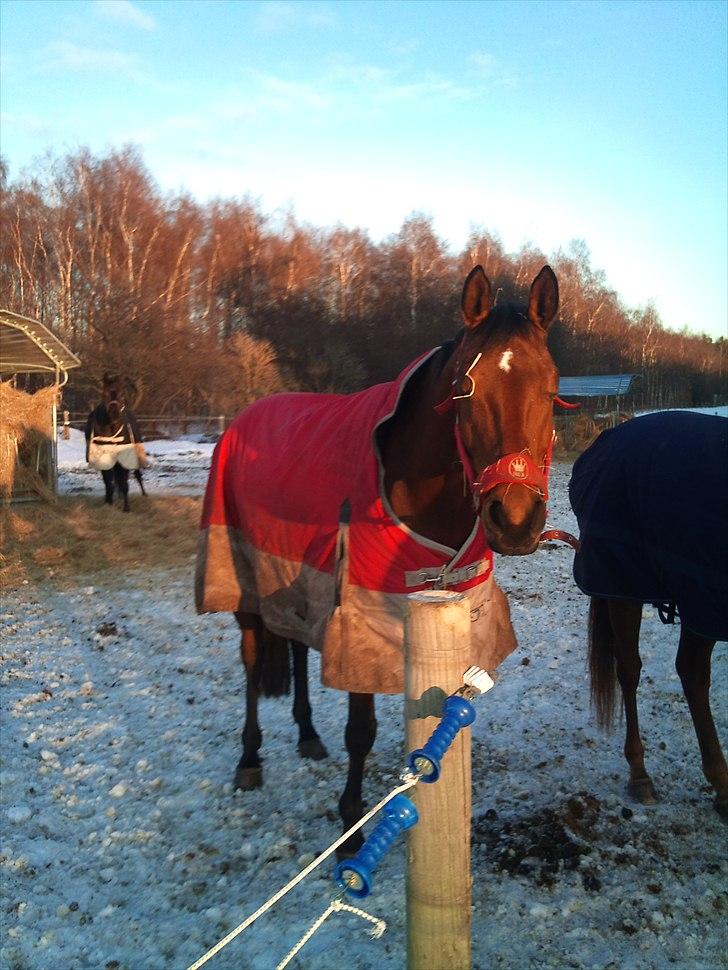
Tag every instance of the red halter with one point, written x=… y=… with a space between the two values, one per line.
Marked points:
x=518 y=468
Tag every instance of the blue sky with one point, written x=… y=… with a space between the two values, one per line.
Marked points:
x=541 y=121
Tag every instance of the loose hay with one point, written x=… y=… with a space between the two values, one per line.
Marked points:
x=81 y=538
x=26 y=424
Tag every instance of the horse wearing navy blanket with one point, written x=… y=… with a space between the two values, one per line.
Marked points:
x=113 y=442
x=322 y=512
x=650 y=498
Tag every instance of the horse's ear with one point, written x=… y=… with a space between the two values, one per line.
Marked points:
x=543 y=304
x=477 y=298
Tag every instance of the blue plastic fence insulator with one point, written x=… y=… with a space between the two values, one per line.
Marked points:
x=457 y=713
x=355 y=875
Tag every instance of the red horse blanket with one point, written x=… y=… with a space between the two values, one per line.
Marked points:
x=296 y=527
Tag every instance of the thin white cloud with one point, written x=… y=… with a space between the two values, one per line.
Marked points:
x=434 y=87
x=405 y=47
x=270 y=95
x=282 y=93
x=488 y=69
x=62 y=55
x=354 y=90
x=278 y=16
x=27 y=123
x=125 y=12
x=377 y=85
x=484 y=61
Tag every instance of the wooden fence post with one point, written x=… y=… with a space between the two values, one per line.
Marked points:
x=66 y=426
x=437 y=654
x=221 y=424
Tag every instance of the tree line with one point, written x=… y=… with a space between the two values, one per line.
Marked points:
x=206 y=306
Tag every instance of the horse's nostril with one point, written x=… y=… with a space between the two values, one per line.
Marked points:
x=496 y=514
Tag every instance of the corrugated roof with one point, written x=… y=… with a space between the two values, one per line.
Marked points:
x=27 y=346
x=596 y=385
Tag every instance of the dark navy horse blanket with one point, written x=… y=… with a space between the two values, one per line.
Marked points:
x=651 y=499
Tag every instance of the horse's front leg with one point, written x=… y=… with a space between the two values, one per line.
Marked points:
x=249 y=772
x=309 y=743
x=121 y=475
x=361 y=730
x=693 y=667
x=108 y=477
x=626 y=617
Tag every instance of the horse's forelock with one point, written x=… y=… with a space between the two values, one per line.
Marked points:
x=113 y=391
x=504 y=321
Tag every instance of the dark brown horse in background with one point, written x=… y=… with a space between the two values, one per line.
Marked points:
x=650 y=497
x=485 y=395
x=112 y=421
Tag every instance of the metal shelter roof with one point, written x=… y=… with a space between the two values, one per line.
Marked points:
x=597 y=385
x=28 y=347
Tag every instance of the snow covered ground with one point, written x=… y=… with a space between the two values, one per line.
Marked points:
x=125 y=848
x=176 y=467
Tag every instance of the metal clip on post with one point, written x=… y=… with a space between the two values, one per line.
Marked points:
x=457 y=713
x=355 y=875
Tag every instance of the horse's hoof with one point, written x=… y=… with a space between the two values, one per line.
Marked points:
x=312 y=748
x=246 y=779
x=643 y=791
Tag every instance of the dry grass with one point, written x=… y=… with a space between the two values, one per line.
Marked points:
x=576 y=432
x=73 y=538
x=25 y=419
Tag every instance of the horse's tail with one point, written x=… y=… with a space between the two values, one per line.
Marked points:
x=274 y=669
x=602 y=663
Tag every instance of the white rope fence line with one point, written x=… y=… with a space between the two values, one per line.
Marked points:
x=334 y=906
x=409 y=780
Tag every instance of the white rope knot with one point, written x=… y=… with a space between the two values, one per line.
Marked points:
x=335 y=906
x=377 y=929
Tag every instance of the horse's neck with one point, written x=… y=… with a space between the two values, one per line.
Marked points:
x=105 y=427
x=423 y=477
x=108 y=430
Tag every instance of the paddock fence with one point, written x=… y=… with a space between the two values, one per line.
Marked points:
x=206 y=426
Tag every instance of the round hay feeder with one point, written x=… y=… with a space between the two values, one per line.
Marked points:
x=29 y=421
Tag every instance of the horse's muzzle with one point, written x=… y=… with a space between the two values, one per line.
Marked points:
x=513 y=517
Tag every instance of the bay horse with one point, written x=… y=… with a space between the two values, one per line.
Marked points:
x=650 y=499
x=110 y=426
x=323 y=511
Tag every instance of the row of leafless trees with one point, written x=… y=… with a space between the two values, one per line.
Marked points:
x=208 y=306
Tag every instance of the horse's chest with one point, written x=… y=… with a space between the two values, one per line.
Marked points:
x=435 y=509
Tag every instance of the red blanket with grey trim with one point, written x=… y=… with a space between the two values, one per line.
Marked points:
x=296 y=527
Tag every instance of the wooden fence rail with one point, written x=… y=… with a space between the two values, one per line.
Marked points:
x=165 y=425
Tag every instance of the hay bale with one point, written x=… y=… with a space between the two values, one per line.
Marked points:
x=26 y=425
